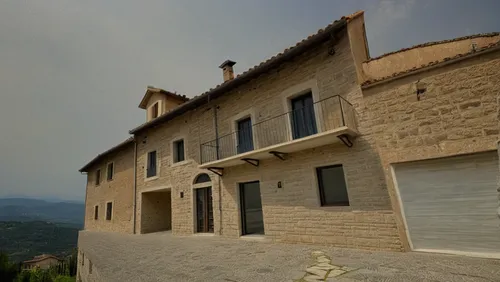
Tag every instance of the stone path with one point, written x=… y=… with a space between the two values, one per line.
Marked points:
x=163 y=257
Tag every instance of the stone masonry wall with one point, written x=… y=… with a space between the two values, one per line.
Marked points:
x=119 y=190
x=498 y=189
x=292 y=213
x=156 y=212
x=458 y=114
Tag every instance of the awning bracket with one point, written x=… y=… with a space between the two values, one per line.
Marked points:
x=279 y=155
x=253 y=162
x=345 y=139
x=217 y=170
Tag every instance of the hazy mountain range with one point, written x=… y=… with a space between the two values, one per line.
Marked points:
x=23 y=209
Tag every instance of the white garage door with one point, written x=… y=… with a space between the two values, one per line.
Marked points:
x=450 y=204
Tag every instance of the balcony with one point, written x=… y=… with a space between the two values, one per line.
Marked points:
x=308 y=125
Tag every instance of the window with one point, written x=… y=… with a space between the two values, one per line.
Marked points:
x=151 y=165
x=202 y=178
x=332 y=186
x=96 y=212
x=245 y=138
x=154 y=111
x=109 y=210
x=98 y=177
x=178 y=151
x=110 y=171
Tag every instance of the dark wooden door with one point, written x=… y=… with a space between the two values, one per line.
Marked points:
x=245 y=138
x=302 y=118
x=204 y=210
x=251 y=208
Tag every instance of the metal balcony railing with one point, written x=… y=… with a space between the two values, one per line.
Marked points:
x=322 y=116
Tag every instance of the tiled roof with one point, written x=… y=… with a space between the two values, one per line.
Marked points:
x=40 y=258
x=150 y=90
x=311 y=41
x=100 y=156
x=477 y=51
x=491 y=34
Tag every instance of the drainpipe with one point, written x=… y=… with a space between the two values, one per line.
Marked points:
x=216 y=125
x=135 y=185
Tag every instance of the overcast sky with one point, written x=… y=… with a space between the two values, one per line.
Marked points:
x=73 y=72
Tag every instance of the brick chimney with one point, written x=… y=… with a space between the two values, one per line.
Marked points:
x=227 y=70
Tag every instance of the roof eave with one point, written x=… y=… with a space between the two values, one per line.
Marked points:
x=301 y=47
x=107 y=152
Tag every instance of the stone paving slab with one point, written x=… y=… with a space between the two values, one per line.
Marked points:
x=163 y=257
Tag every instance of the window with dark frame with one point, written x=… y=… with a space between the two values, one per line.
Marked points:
x=109 y=210
x=98 y=177
x=96 y=212
x=110 y=171
x=332 y=186
x=178 y=151
x=154 y=111
x=151 y=165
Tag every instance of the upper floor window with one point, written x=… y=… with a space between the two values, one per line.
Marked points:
x=110 y=171
x=109 y=210
x=96 y=212
x=332 y=186
x=98 y=177
x=155 y=111
x=151 y=164
x=178 y=151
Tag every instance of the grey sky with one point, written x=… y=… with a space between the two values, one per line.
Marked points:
x=73 y=72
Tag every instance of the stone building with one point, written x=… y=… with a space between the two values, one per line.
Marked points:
x=323 y=144
x=44 y=261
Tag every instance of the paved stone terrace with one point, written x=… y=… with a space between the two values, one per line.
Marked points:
x=163 y=257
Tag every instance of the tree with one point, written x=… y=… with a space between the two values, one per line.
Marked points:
x=8 y=271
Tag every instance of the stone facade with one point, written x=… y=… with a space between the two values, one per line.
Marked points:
x=293 y=213
x=119 y=191
x=457 y=114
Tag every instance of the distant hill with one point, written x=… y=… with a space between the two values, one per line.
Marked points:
x=24 y=240
x=23 y=209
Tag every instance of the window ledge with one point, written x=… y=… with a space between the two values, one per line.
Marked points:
x=180 y=163
x=151 y=178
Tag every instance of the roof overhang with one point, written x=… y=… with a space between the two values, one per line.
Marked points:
x=320 y=37
x=152 y=90
x=116 y=148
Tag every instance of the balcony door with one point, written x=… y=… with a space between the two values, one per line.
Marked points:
x=302 y=117
x=245 y=136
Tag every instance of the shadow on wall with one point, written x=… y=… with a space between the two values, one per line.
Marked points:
x=156 y=212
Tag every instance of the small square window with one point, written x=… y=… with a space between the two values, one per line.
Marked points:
x=109 y=210
x=332 y=186
x=110 y=171
x=96 y=212
x=98 y=177
x=178 y=151
x=151 y=164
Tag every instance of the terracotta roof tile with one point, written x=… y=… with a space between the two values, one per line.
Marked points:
x=490 y=46
x=491 y=34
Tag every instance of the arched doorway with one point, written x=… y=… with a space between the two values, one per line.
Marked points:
x=203 y=204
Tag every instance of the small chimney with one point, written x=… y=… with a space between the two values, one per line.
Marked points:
x=227 y=70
